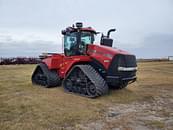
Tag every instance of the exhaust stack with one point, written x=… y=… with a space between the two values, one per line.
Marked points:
x=106 y=40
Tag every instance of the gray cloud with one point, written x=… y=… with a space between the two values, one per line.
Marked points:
x=137 y=23
x=154 y=45
x=11 y=48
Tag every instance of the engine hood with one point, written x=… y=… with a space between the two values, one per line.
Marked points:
x=104 y=54
x=105 y=50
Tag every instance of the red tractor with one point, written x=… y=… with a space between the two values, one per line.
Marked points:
x=86 y=69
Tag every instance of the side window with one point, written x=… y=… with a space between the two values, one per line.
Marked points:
x=70 y=42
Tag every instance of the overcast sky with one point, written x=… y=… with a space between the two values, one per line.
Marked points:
x=30 y=27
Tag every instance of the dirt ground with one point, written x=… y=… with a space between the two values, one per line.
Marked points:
x=144 y=105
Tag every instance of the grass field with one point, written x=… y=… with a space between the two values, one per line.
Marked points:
x=146 y=104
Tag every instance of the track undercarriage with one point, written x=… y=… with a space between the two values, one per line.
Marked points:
x=85 y=81
x=45 y=77
x=82 y=80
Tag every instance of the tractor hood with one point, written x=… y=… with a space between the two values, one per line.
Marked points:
x=105 y=50
x=104 y=54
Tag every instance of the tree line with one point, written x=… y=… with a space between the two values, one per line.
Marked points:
x=19 y=60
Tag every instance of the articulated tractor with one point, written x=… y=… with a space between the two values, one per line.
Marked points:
x=85 y=68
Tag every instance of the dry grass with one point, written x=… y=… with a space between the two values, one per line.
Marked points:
x=155 y=124
x=24 y=106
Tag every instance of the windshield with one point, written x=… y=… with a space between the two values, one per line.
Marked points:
x=87 y=37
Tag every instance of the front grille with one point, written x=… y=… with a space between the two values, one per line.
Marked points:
x=122 y=61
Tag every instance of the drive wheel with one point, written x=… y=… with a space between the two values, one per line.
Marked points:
x=91 y=89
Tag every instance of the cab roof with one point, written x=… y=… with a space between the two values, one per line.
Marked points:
x=75 y=29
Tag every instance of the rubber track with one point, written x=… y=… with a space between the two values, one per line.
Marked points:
x=52 y=78
x=94 y=77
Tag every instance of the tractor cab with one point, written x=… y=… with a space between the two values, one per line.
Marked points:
x=76 y=39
